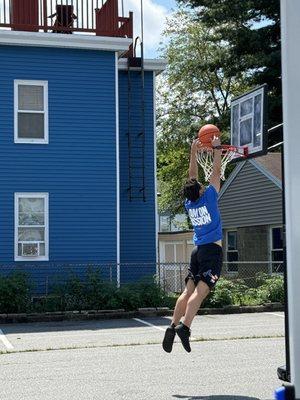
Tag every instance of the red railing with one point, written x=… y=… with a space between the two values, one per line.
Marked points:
x=98 y=17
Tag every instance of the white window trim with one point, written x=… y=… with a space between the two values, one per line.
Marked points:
x=271 y=249
x=45 y=112
x=45 y=196
x=228 y=251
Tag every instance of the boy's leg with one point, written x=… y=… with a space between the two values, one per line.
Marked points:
x=194 y=302
x=182 y=301
x=179 y=312
x=193 y=305
x=210 y=265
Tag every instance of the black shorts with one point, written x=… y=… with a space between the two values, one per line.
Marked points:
x=206 y=264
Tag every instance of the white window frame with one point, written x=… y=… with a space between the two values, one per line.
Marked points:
x=45 y=112
x=271 y=249
x=228 y=251
x=44 y=196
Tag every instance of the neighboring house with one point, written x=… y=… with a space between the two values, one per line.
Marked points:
x=77 y=143
x=251 y=207
x=175 y=247
x=174 y=255
x=250 y=202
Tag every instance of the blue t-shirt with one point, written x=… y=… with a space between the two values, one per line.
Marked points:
x=205 y=217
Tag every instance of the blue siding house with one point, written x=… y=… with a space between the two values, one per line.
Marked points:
x=77 y=145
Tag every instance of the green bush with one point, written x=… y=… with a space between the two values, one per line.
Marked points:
x=96 y=294
x=99 y=293
x=250 y=298
x=260 y=279
x=128 y=297
x=91 y=293
x=222 y=295
x=272 y=290
x=240 y=292
x=146 y=293
x=170 y=300
x=14 y=293
x=236 y=292
x=150 y=292
x=50 y=303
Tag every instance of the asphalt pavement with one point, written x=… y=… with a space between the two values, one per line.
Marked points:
x=234 y=357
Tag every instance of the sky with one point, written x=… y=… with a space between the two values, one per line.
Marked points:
x=155 y=14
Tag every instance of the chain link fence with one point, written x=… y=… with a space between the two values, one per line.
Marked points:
x=172 y=275
x=45 y=278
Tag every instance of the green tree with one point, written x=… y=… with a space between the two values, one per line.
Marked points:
x=194 y=90
x=252 y=30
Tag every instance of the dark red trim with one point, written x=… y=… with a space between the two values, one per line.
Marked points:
x=34 y=15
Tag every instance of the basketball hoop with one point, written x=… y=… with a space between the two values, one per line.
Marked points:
x=205 y=158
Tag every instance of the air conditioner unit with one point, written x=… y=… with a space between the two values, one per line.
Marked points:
x=30 y=249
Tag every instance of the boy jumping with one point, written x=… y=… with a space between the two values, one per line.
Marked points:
x=206 y=259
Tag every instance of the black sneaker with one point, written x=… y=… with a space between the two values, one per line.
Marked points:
x=169 y=339
x=184 y=333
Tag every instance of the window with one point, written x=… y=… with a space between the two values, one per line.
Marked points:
x=277 y=249
x=172 y=224
x=31 y=226
x=232 y=251
x=165 y=223
x=31 y=112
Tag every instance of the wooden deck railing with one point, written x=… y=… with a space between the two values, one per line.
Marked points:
x=98 y=17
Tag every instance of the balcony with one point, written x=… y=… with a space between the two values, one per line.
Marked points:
x=95 y=17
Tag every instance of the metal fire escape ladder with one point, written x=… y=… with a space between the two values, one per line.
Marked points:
x=136 y=130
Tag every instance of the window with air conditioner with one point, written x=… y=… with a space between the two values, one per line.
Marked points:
x=31 y=112
x=31 y=226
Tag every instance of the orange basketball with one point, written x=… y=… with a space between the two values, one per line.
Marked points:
x=207 y=133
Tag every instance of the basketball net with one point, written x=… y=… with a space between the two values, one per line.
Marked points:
x=205 y=157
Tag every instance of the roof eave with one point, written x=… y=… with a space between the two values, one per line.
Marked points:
x=267 y=173
x=258 y=166
x=75 y=41
x=231 y=178
x=155 y=65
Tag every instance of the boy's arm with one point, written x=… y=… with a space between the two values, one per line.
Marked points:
x=193 y=169
x=216 y=173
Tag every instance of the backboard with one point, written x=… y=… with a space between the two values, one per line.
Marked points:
x=249 y=121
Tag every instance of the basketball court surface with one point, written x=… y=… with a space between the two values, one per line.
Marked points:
x=234 y=357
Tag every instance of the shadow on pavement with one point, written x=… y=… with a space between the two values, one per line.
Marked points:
x=95 y=325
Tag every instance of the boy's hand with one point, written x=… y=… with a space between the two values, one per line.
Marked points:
x=216 y=141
